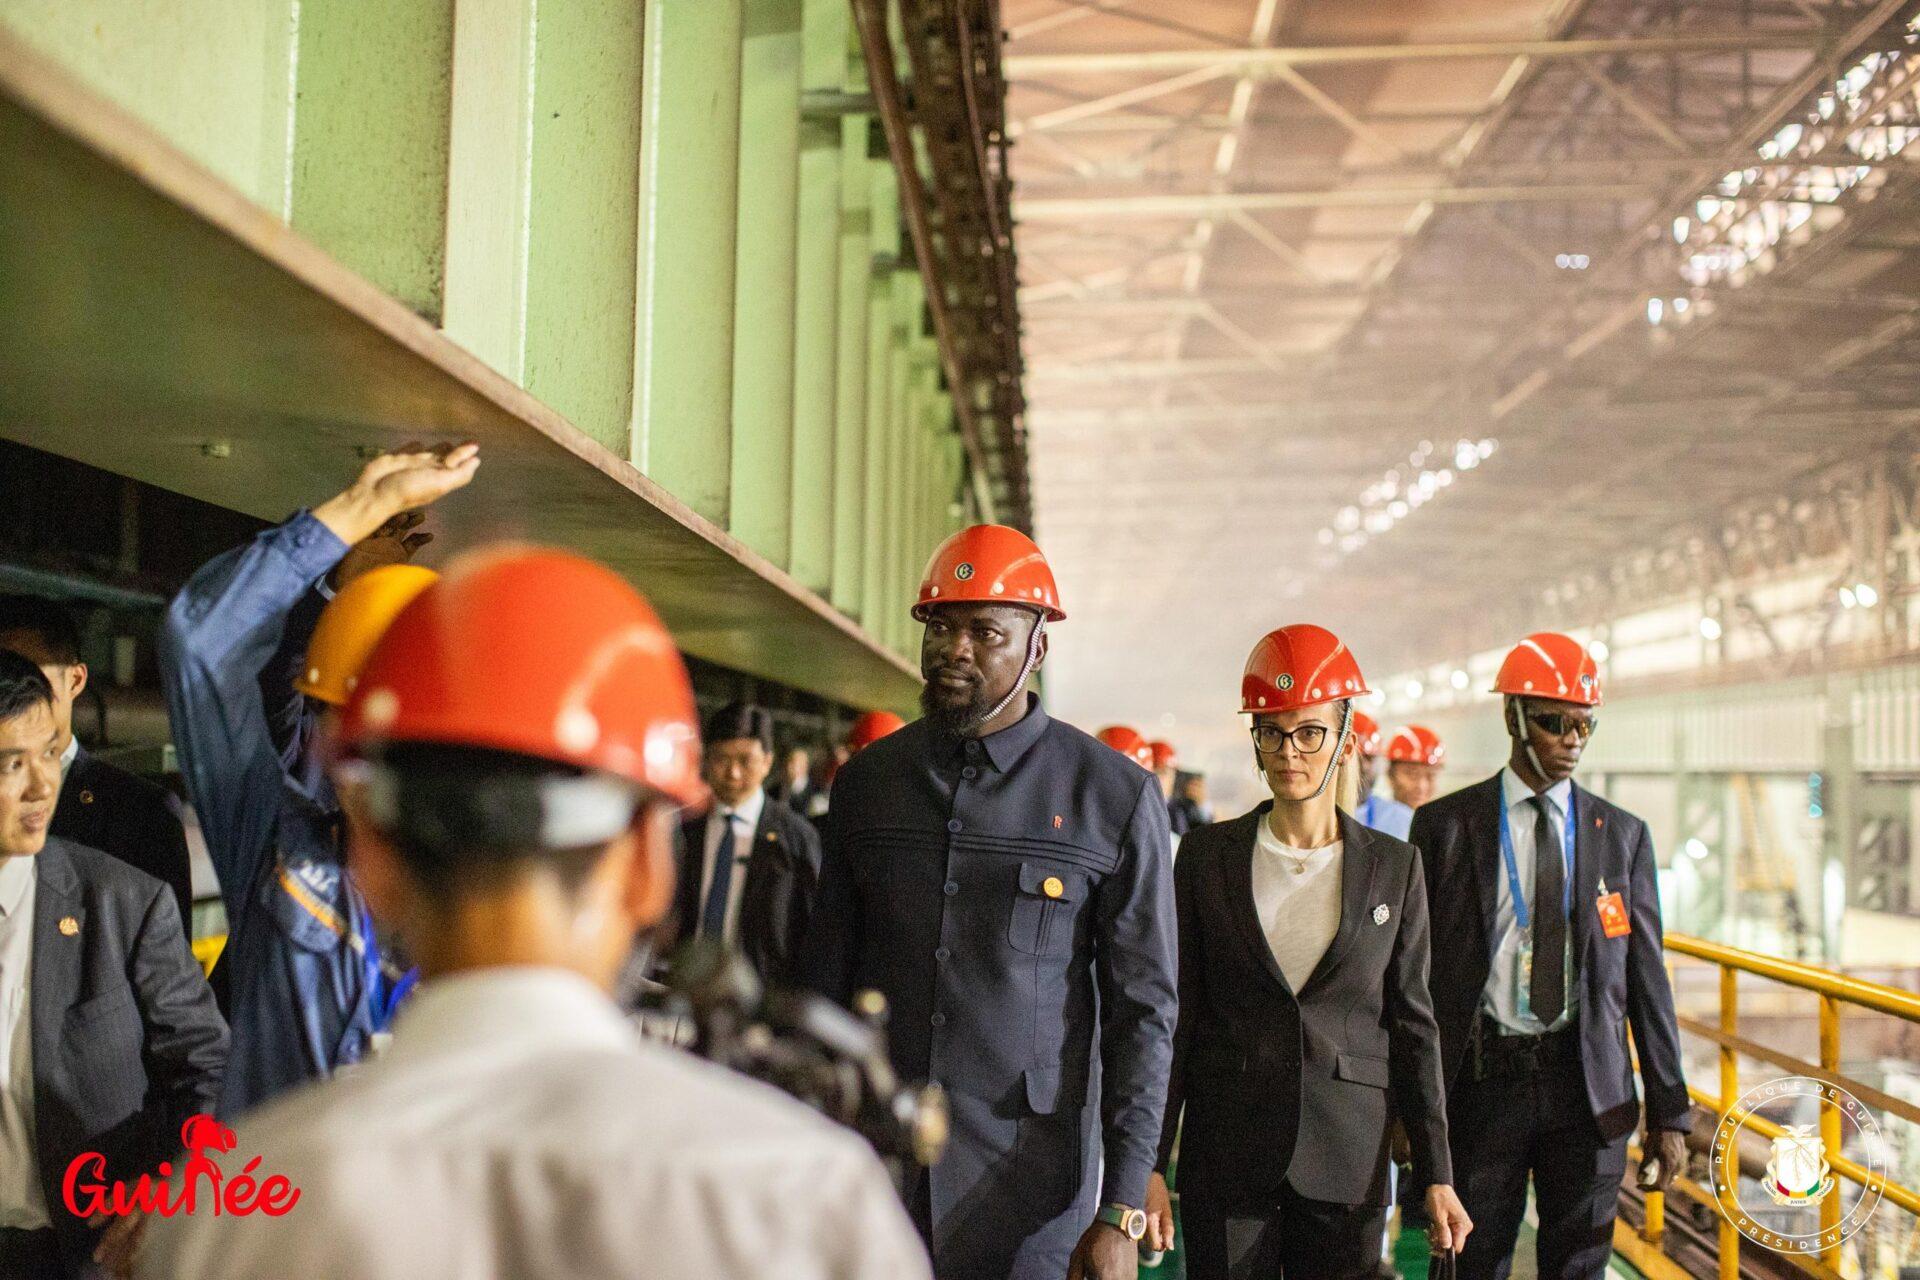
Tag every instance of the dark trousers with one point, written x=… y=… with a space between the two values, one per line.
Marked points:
x=1540 y=1124
x=1298 y=1239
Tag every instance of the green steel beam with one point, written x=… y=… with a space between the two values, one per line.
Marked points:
x=766 y=499
x=885 y=224
x=816 y=316
x=850 y=409
x=689 y=179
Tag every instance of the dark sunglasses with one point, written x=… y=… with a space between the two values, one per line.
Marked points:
x=1559 y=724
x=1307 y=739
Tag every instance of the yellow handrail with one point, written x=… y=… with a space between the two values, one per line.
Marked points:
x=1834 y=989
x=1868 y=995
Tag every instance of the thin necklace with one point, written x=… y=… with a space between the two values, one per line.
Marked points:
x=1296 y=862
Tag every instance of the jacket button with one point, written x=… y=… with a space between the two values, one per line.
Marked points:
x=938 y=1020
x=952 y=888
x=973 y=747
x=942 y=954
x=953 y=824
x=970 y=773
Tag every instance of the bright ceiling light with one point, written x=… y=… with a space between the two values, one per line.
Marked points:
x=1866 y=595
x=1697 y=849
x=1458 y=678
x=1415 y=689
x=1847 y=599
x=1710 y=628
x=1599 y=650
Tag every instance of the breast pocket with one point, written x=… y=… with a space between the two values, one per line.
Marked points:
x=1046 y=902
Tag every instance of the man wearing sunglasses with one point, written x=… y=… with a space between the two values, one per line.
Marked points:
x=1546 y=948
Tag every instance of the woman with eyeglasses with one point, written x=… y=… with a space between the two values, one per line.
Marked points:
x=1305 y=1026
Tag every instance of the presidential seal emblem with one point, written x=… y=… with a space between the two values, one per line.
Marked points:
x=1781 y=1209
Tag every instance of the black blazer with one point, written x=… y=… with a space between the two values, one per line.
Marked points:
x=1300 y=1087
x=102 y=806
x=1622 y=980
x=777 y=900
x=126 y=1041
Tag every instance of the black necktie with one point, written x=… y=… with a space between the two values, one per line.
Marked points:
x=1548 y=988
x=713 y=919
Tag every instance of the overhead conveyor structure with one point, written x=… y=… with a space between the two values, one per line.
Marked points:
x=699 y=284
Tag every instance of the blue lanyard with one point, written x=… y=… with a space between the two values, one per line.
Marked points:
x=1366 y=817
x=1521 y=916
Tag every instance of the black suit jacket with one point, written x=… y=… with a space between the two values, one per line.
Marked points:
x=1300 y=1087
x=102 y=806
x=126 y=1041
x=777 y=900
x=1622 y=981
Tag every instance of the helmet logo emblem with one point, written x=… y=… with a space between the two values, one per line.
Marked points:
x=1586 y=680
x=1284 y=682
x=963 y=571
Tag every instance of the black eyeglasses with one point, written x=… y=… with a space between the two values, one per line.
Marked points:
x=1307 y=739
x=1559 y=724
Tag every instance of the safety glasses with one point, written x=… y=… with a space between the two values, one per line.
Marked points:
x=1307 y=739
x=1559 y=724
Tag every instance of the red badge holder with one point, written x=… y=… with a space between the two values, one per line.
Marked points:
x=1614 y=922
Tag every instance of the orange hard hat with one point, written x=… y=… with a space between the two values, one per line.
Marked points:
x=352 y=624
x=872 y=727
x=1128 y=743
x=989 y=564
x=1366 y=734
x=1553 y=666
x=539 y=652
x=1299 y=666
x=1163 y=753
x=1416 y=744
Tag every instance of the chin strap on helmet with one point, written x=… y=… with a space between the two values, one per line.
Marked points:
x=1026 y=669
x=1339 y=745
x=1517 y=726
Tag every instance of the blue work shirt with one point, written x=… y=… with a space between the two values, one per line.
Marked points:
x=1383 y=814
x=303 y=971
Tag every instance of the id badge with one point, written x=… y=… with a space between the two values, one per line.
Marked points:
x=1523 y=978
x=1614 y=922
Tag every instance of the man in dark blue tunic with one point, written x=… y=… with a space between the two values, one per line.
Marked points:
x=1004 y=880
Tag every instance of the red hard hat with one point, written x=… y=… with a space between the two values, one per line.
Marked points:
x=1128 y=743
x=989 y=564
x=1163 y=754
x=1299 y=666
x=1366 y=734
x=1549 y=665
x=540 y=652
x=1416 y=744
x=872 y=727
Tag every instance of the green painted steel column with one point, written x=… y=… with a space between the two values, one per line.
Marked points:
x=816 y=315
x=850 y=409
x=689 y=181
x=216 y=80
x=885 y=221
x=909 y=297
x=544 y=143
x=370 y=138
x=763 y=499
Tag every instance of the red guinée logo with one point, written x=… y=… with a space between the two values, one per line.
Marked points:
x=88 y=1192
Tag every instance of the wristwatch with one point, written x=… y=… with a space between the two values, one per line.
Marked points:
x=1131 y=1223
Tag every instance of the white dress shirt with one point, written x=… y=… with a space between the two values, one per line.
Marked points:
x=1506 y=979
x=67 y=757
x=1297 y=895
x=518 y=1128
x=22 y=1203
x=745 y=820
